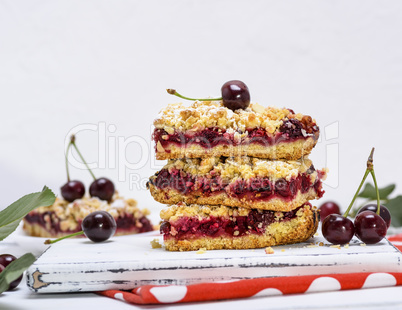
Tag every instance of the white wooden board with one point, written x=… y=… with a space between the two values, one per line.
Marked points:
x=126 y=262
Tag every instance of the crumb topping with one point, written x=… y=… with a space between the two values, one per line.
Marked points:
x=156 y=244
x=205 y=114
x=182 y=210
x=242 y=167
x=174 y=212
x=70 y=213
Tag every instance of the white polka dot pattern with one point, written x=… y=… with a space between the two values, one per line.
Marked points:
x=261 y=287
x=168 y=294
x=324 y=284
x=379 y=280
x=119 y=296
x=268 y=292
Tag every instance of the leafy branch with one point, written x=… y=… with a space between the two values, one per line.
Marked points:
x=10 y=218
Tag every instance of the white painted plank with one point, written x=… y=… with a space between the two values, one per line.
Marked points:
x=126 y=262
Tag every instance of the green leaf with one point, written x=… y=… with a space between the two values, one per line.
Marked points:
x=14 y=270
x=394 y=206
x=13 y=214
x=370 y=192
x=386 y=191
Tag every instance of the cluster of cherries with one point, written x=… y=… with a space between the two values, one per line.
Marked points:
x=370 y=224
x=235 y=95
x=5 y=260
x=97 y=226
x=102 y=188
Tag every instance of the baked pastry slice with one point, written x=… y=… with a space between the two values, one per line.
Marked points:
x=207 y=128
x=63 y=217
x=238 y=182
x=188 y=228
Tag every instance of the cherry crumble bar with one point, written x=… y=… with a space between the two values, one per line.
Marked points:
x=63 y=217
x=191 y=227
x=238 y=182
x=207 y=128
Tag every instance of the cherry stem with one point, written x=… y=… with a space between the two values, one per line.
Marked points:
x=370 y=166
x=357 y=193
x=377 y=191
x=369 y=169
x=48 y=241
x=68 y=172
x=174 y=92
x=82 y=158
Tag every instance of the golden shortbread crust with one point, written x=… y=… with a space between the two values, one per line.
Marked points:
x=286 y=150
x=171 y=196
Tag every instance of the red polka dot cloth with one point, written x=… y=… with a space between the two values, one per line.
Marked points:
x=167 y=294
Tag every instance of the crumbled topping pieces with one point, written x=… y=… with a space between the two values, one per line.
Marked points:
x=204 y=114
x=201 y=251
x=174 y=212
x=242 y=167
x=156 y=244
x=182 y=210
x=70 y=213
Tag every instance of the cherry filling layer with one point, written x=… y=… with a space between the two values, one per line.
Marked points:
x=127 y=223
x=255 y=222
x=254 y=189
x=291 y=130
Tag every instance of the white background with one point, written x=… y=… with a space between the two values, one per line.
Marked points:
x=107 y=63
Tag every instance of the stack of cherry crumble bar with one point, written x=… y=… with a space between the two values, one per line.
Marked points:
x=235 y=179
